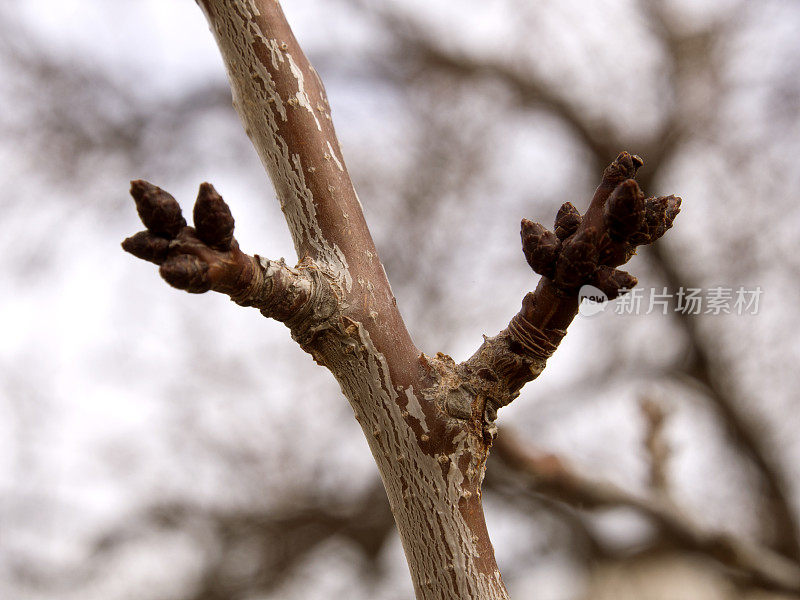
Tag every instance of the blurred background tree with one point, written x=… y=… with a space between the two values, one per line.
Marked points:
x=151 y=453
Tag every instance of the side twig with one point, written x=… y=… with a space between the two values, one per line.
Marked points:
x=207 y=256
x=583 y=250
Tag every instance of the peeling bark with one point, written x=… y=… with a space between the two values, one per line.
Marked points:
x=429 y=422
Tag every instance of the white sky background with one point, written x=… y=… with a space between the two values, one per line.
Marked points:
x=103 y=407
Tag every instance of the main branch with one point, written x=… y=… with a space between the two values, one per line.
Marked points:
x=428 y=421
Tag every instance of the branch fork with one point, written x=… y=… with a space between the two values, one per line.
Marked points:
x=428 y=422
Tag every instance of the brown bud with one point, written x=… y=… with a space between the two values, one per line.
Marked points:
x=656 y=218
x=568 y=220
x=624 y=167
x=158 y=210
x=540 y=247
x=147 y=246
x=624 y=211
x=578 y=260
x=186 y=272
x=612 y=281
x=212 y=218
x=673 y=208
x=659 y=216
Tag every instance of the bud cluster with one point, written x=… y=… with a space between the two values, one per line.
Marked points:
x=585 y=250
x=170 y=243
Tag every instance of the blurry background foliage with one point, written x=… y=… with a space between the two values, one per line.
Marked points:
x=159 y=445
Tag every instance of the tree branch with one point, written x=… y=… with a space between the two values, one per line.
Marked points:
x=424 y=418
x=584 y=250
x=276 y=541
x=285 y=112
x=207 y=257
x=685 y=51
x=531 y=90
x=344 y=315
x=742 y=430
x=656 y=445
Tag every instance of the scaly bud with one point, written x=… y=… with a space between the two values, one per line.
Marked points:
x=186 y=272
x=568 y=220
x=147 y=246
x=578 y=260
x=660 y=213
x=624 y=212
x=673 y=208
x=213 y=219
x=624 y=167
x=540 y=246
x=612 y=281
x=158 y=210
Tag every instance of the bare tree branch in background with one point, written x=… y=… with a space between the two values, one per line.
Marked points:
x=81 y=110
x=278 y=539
x=546 y=474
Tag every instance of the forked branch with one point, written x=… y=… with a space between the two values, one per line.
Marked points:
x=424 y=418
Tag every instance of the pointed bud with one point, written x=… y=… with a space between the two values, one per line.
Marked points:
x=186 y=272
x=673 y=208
x=578 y=260
x=147 y=246
x=213 y=219
x=624 y=167
x=668 y=208
x=158 y=210
x=655 y=218
x=624 y=211
x=540 y=246
x=659 y=216
x=568 y=220
x=613 y=281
